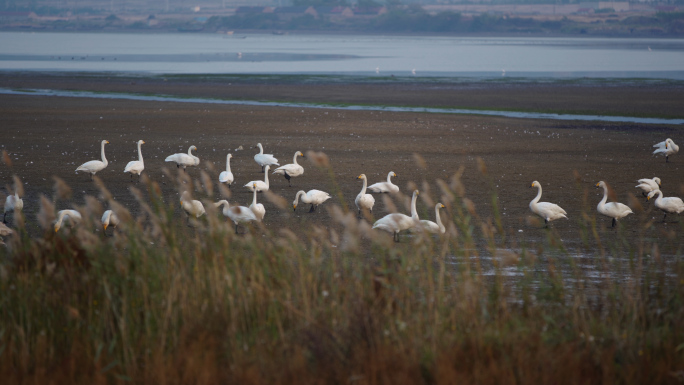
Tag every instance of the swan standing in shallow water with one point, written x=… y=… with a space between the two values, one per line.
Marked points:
x=191 y=207
x=227 y=176
x=435 y=228
x=667 y=148
x=614 y=210
x=291 y=170
x=648 y=185
x=548 y=211
x=669 y=205
x=363 y=200
x=257 y=208
x=394 y=223
x=264 y=160
x=12 y=204
x=312 y=197
x=136 y=166
x=385 y=187
x=184 y=160
x=95 y=165
x=259 y=185
x=109 y=219
x=237 y=214
x=71 y=216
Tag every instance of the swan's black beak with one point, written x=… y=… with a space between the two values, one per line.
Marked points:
x=294 y=208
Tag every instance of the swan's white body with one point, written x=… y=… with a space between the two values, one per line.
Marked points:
x=192 y=207
x=432 y=227
x=669 y=205
x=71 y=216
x=12 y=203
x=290 y=170
x=614 y=210
x=110 y=219
x=363 y=200
x=394 y=223
x=257 y=208
x=94 y=166
x=184 y=160
x=548 y=211
x=648 y=185
x=264 y=160
x=227 y=176
x=237 y=214
x=385 y=187
x=136 y=166
x=667 y=148
x=312 y=197
x=259 y=185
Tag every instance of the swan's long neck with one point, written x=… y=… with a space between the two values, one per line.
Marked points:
x=414 y=212
x=365 y=184
x=190 y=151
x=660 y=196
x=254 y=201
x=108 y=215
x=221 y=203
x=261 y=149
x=228 y=163
x=389 y=178
x=104 y=160
x=60 y=218
x=140 y=158
x=605 y=196
x=538 y=197
x=266 y=175
x=294 y=159
x=303 y=195
x=439 y=219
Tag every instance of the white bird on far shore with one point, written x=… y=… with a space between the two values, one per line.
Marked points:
x=12 y=204
x=615 y=210
x=227 y=176
x=667 y=148
x=647 y=185
x=136 y=166
x=548 y=211
x=184 y=160
x=94 y=166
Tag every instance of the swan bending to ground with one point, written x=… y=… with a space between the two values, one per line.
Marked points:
x=394 y=223
x=71 y=216
x=110 y=219
x=227 y=176
x=432 y=227
x=257 y=208
x=648 y=185
x=237 y=214
x=136 y=166
x=184 y=160
x=192 y=207
x=667 y=148
x=95 y=165
x=614 y=210
x=12 y=204
x=259 y=185
x=312 y=197
x=291 y=170
x=548 y=211
x=669 y=205
x=385 y=187
x=363 y=200
x=264 y=160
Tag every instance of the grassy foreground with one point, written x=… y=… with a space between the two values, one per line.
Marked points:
x=160 y=302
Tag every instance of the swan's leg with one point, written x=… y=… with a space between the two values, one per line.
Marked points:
x=664 y=217
x=236 y=228
x=667 y=159
x=614 y=222
x=177 y=165
x=288 y=178
x=644 y=193
x=262 y=169
x=4 y=217
x=546 y=223
x=312 y=209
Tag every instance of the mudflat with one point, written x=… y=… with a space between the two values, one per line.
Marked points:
x=46 y=136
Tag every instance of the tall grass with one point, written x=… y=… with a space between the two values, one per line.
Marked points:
x=159 y=302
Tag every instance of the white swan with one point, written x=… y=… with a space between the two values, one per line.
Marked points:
x=71 y=216
x=136 y=166
x=259 y=185
x=110 y=219
x=95 y=165
x=312 y=197
x=237 y=214
x=257 y=208
x=291 y=170
x=227 y=176
x=12 y=204
x=192 y=207
x=648 y=185
x=436 y=228
x=184 y=160
x=265 y=159
x=363 y=200
x=394 y=223
x=385 y=187
x=548 y=211
x=667 y=148
x=669 y=205
x=614 y=210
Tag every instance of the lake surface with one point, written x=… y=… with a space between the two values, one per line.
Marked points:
x=342 y=55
